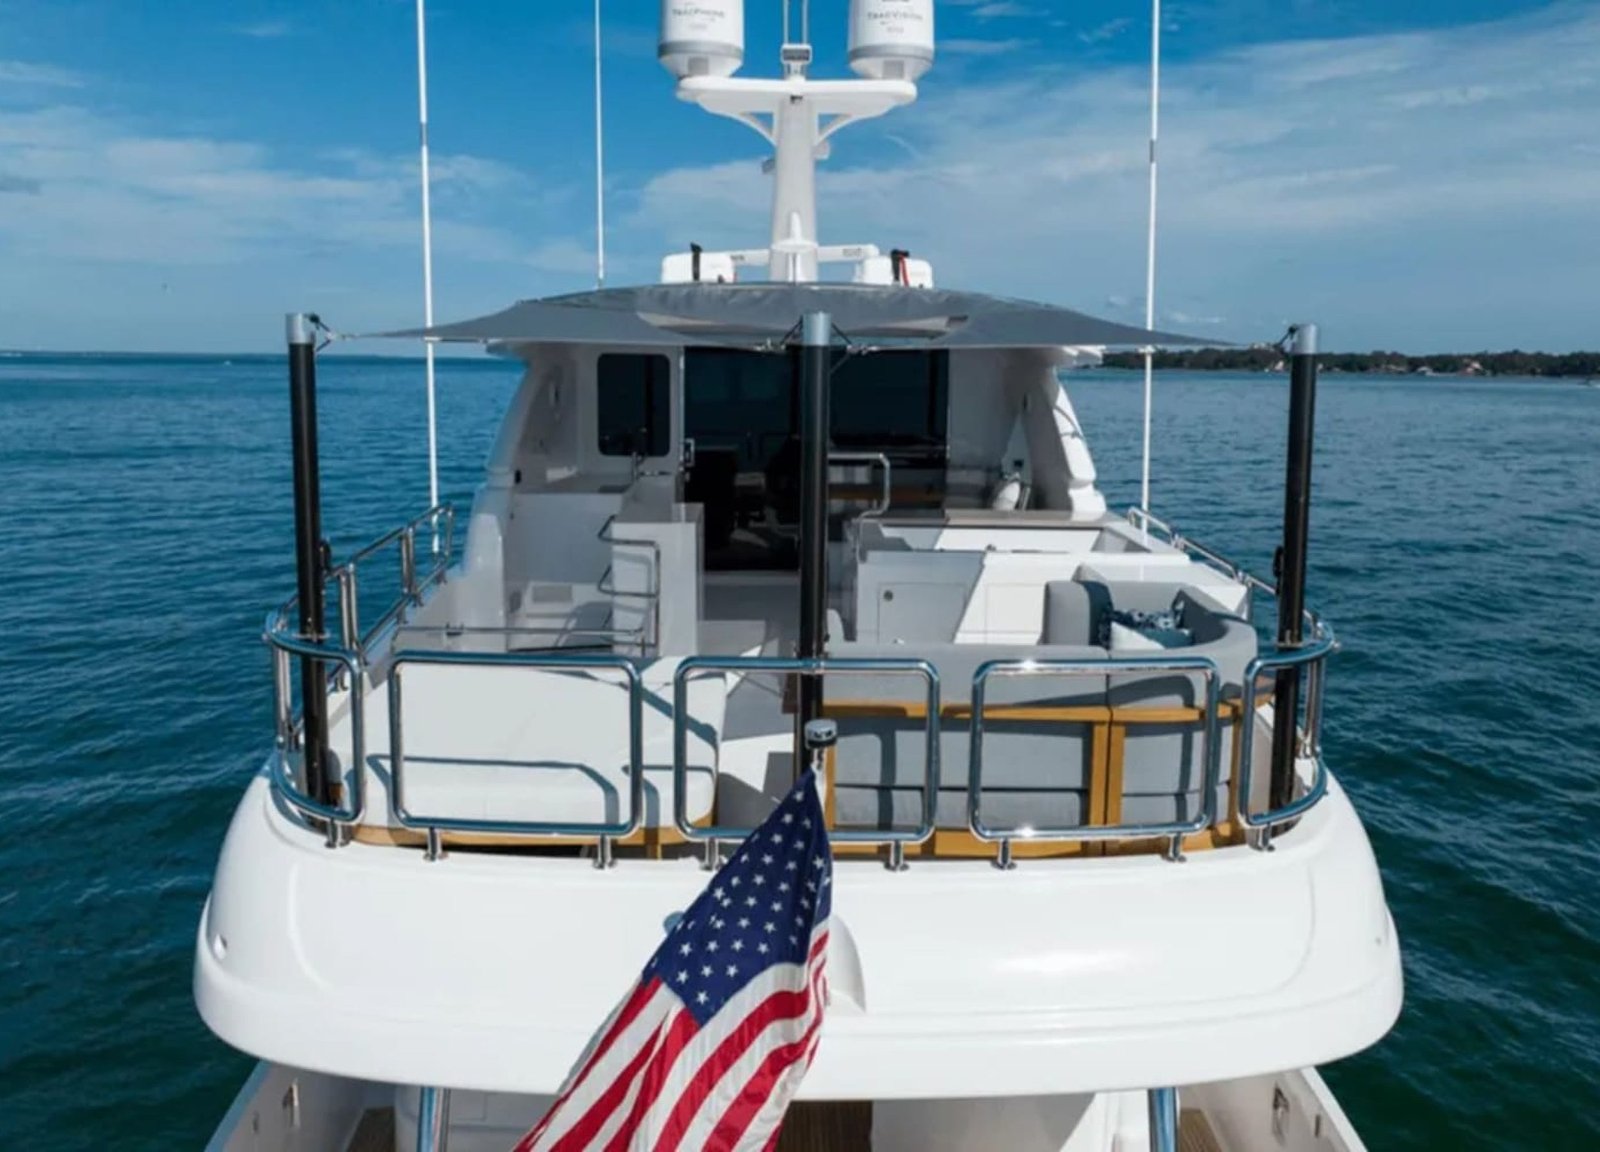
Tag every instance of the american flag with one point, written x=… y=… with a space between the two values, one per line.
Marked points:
x=708 y=1049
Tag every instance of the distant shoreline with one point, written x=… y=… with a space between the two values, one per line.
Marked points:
x=1579 y=366
x=1473 y=365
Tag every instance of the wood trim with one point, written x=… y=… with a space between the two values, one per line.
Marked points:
x=960 y=844
x=1116 y=755
x=830 y=802
x=651 y=839
x=1024 y=713
x=992 y=713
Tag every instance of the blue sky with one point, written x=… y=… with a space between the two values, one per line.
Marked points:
x=1426 y=175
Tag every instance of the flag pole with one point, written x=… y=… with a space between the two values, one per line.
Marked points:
x=1150 y=251
x=427 y=257
x=599 y=163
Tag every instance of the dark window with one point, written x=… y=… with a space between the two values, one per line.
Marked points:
x=890 y=400
x=635 y=394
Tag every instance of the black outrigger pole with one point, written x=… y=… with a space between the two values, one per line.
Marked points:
x=309 y=551
x=1292 y=557
x=816 y=343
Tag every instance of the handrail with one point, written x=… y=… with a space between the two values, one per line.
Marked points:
x=885 y=500
x=346 y=575
x=1174 y=831
x=881 y=459
x=647 y=634
x=284 y=645
x=1313 y=657
x=432 y=826
x=710 y=836
x=1145 y=521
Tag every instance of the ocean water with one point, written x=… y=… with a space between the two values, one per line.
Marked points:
x=147 y=528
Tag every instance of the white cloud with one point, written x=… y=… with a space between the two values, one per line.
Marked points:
x=957 y=46
x=1110 y=30
x=25 y=75
x=994 y=9
x=266 y=29
x=102 y=224
x=1407 y=188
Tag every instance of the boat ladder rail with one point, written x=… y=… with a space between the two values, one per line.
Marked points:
x=647 y=635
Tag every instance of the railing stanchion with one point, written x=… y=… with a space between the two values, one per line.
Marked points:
x=433 y=1120
x=408 y=564
x=283 y=690
x=349 y=615
x=1163 y=1103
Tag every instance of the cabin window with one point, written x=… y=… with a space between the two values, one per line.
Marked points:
x=742 y=410
x=635 y=404
x=890 y=400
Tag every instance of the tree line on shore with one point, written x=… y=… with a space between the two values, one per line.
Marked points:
x=1267 y=358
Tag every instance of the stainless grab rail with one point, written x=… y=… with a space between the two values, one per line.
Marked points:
x=1313 y=657
x=285 y=645
x=712 y=835
x=1143 y=520
x=1174 y=831
x=886 y=498
x=648 y=633
x=432 y=826
x=346 y=575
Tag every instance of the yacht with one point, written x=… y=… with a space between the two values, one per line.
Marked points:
x=1095 y=888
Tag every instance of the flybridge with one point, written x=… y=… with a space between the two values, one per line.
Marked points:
x=891 y=47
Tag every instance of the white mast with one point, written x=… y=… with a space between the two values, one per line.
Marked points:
x=891 y=47
x=599 y=164
x=427 y=255
x=1150 y=262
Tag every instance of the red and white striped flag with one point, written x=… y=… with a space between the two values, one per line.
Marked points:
x=707 y=1050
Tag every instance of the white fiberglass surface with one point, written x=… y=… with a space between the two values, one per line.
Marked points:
x=955 y=978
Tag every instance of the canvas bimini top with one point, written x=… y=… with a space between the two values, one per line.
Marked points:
x=763 y=314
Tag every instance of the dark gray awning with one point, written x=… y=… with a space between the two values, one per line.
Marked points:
x=754 y=315
x=542 y=322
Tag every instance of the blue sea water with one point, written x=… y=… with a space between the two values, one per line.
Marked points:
x=147 y=528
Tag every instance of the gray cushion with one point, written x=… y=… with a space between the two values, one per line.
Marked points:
x=881 y=808
x=1074 y=612
x=1033 y=772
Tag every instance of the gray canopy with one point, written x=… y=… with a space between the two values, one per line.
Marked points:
x=754 y=315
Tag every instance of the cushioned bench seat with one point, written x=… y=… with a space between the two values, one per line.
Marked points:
x=1059 y=750
x=532 y=745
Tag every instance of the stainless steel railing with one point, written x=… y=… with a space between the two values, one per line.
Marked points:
x=1312 y=657
x=1165 y=532
x=440 y=520
x=875 y=459
x=347 y=663
x=286 y=645
x=606 y=833
x=711 y=836
x=648 y=634
x=1174 y=832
